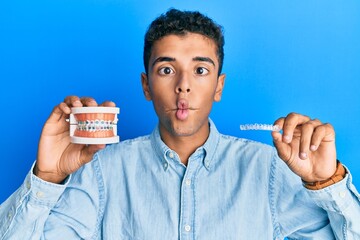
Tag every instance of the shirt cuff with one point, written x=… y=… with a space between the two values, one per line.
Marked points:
x=42 y=192
x=335 y=198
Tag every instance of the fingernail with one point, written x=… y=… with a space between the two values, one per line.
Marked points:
x=303 y=155
x=287 y=138
x=67 y=110
x=313 y=147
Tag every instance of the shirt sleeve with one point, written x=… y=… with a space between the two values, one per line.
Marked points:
x=299 y=213
x=24 y=213
x=341 y=201
x=43 y=210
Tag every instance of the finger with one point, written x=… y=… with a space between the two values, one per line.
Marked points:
x=88 y=101
x=280 y=122
x=283 y=149
x=73 y=101
x=290 y=123
x=59 y=113
x=88 y=152
x=108 y=104
x=322 y=133
x=277 y=136
x=307 y=131
x=64 y=108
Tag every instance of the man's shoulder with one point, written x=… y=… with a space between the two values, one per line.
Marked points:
x=238 y=142
x=126 y=152
x=131 y=143
x=128 y=148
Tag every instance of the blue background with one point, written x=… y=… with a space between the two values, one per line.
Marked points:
x=280 y=57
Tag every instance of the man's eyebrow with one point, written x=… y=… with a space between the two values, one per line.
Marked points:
x=170 y=59
x=204 y=59
x=163 y=59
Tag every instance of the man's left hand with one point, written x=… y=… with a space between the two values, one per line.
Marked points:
x=307 y=146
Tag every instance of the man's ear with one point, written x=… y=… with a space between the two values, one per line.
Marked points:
x=219 y=88
x=145 y=86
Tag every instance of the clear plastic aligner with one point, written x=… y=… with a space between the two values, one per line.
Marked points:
x=257 y=126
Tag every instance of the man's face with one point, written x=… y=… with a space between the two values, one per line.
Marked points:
x=183 y=82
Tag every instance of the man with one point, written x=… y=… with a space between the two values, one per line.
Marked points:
x=185 y=180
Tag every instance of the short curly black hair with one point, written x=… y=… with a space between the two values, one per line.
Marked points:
x=179 y=23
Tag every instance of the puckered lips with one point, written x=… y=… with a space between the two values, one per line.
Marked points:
x=183 y=109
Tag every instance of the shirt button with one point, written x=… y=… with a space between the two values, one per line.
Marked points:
x=342 y=194
x=171 y=155
x=28 y=185
x=187 y=228
x=207 y=164
x=40 y=194
x=188 y=182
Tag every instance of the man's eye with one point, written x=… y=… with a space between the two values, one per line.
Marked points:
x=166 y=71
x=201 y=71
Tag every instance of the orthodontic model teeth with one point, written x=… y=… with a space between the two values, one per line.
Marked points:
x=95 y=125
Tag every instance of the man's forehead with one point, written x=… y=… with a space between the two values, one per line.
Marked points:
x=186 y=39
x=192 y=46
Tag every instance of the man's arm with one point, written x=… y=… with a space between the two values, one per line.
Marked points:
x=36 y=201
x=24 y=213
x=44 y=210
x=341 y=201
x=307 y=146
x=299 y=213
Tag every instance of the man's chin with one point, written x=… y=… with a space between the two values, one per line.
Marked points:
x=182 y=131
x=181 y=128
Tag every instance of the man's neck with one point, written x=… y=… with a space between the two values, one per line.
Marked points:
x=184 y=146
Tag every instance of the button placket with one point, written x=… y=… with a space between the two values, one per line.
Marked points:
x=187 y=202
x=188 y=198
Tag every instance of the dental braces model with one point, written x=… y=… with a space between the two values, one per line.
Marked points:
x=94 y=125
x=257 y=126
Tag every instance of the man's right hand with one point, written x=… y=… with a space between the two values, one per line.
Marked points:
x=57 y=156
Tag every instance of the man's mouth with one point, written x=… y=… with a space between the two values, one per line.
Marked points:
x=182 y=111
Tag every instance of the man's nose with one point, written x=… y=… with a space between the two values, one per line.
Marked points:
x=183 y=84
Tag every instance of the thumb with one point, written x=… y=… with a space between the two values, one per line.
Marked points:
x=283 y=149
x=59 y=113
x=88 y=152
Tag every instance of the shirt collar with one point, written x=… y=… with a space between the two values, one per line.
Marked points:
x=210 y=146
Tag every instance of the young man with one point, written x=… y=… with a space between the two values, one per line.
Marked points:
x=185 y=180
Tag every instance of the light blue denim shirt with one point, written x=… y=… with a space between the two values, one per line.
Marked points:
x=138 y=189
